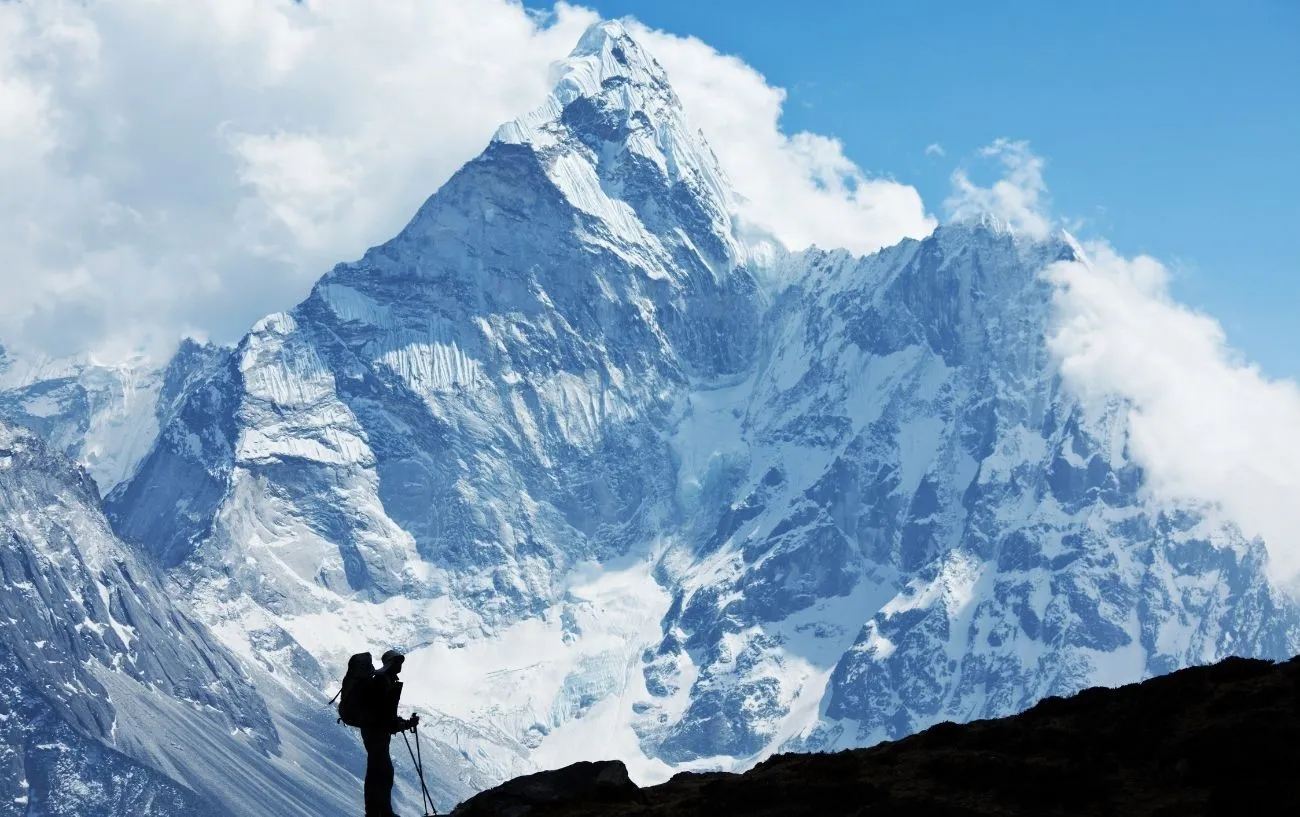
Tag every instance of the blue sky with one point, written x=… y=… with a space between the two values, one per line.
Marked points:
x=1169 y=128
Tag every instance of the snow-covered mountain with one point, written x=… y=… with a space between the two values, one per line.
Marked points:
x=918 y=524
x=621 y=487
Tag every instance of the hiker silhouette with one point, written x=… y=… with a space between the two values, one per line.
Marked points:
x=368 y=701
x=383 y=696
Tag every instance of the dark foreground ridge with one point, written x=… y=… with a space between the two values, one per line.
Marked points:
x=1214 y=740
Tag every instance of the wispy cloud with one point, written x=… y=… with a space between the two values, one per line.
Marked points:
x=801 y=188
x=1018 y=199
x=935 y=149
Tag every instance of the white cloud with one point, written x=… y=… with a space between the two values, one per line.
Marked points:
x=1206 y=426
x=935 y=149
x=186 y=168
x=1018 y=199
x=801 y=188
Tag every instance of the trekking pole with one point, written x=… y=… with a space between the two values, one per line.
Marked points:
x=426 y=799
x=420 y=762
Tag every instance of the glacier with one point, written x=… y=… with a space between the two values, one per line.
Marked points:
x=624 y=483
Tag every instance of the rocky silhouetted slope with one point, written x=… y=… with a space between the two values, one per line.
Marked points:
x=1221 y=739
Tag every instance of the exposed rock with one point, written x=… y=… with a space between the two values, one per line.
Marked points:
x=604 y=782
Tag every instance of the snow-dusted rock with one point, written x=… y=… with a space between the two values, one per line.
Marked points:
x=907 y=457
x=100 y=415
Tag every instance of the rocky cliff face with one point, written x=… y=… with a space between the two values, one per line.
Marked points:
x=621 y=489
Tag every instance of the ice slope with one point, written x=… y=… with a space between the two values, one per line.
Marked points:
x=617 y=498
x=116 y=700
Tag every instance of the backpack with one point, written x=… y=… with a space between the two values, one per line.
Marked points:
x=354 y=709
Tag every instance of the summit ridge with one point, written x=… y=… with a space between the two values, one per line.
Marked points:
x=615 y=140
x=606 y=58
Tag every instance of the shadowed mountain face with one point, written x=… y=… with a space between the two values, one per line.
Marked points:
x=621 y=488
x=1216 y=740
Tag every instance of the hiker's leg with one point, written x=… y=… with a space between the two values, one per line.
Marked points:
x=379 y=774
x=387 y=782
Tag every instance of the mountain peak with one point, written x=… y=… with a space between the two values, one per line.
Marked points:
x=608 y=64
x=599 y=35
x=615 y=140
x=617 y=54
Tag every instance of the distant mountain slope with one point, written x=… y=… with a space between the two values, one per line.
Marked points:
x=115 y=700
x=908 y=519
x=101 y=416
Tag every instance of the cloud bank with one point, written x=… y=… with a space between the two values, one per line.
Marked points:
x=1207 y=427
x=171 y=169
x=177 y=168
